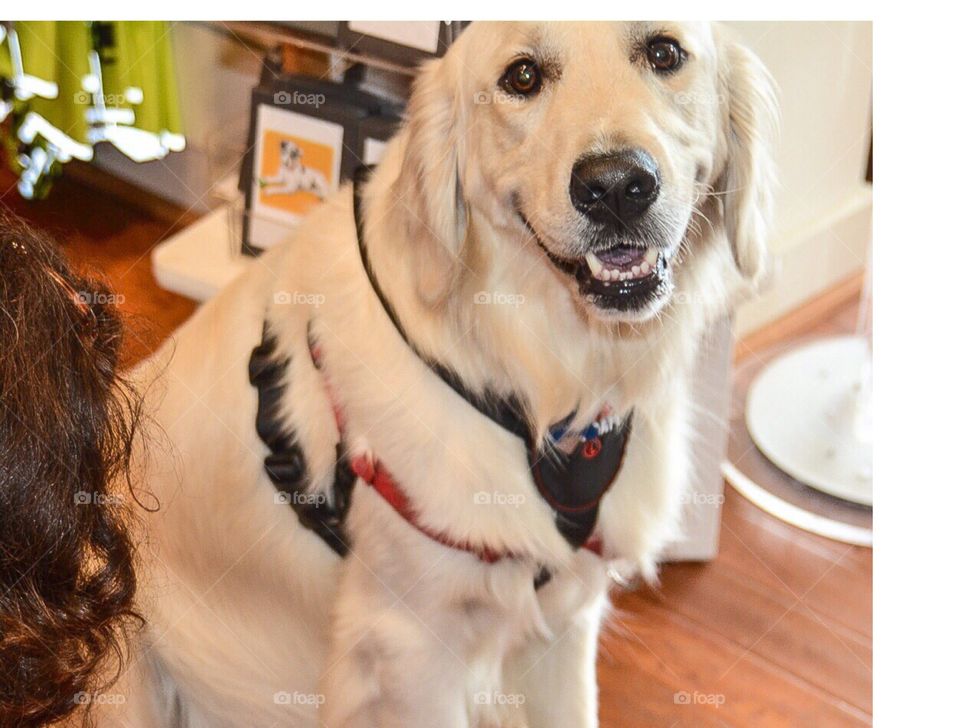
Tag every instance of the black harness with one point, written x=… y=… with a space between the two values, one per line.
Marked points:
x=285 y=465
x=572 y=480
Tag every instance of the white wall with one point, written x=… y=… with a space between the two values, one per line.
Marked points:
x=823 y=206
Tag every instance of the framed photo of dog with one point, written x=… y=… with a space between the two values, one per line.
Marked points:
x=298 y=146
x=297 y=164
x=306 y=138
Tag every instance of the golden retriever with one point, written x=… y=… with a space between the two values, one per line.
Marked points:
x=565 y=208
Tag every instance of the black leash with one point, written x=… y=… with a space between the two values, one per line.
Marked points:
x=505 y=411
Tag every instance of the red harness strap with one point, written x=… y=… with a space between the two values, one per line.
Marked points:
x=378 y=477
x=374 y=474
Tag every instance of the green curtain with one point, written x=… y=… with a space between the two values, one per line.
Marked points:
x=143 y=57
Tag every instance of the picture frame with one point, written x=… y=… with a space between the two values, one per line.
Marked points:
x=302 y=143
x=406 y=43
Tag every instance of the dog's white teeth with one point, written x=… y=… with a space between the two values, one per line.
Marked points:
x=595 y=265
x=602 y=272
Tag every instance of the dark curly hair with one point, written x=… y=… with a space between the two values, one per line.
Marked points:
x=67 y=424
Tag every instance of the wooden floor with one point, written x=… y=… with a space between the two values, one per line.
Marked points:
x=776 y=632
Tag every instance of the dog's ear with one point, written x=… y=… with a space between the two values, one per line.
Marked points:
x=746 y=182
x=430 y=171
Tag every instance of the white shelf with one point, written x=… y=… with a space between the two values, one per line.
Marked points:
x=201 y=259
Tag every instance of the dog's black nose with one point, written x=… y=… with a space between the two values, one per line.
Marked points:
x=615 y=189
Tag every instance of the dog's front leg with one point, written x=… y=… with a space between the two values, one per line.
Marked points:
x=389 y=668
x=401 y=638
x=557 y=676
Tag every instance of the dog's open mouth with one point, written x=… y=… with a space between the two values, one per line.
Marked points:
x=623 y=278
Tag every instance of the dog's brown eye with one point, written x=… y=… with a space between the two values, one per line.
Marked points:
x=664 y=54
x=523 y=77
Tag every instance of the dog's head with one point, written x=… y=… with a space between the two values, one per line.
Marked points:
x=290 y=153
x=602 y=143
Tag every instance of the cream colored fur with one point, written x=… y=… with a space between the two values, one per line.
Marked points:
x=245 y=606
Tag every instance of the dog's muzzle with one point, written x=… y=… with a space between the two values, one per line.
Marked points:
x=614 y=191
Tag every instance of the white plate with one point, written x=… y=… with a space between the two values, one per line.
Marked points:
x=809 y=413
